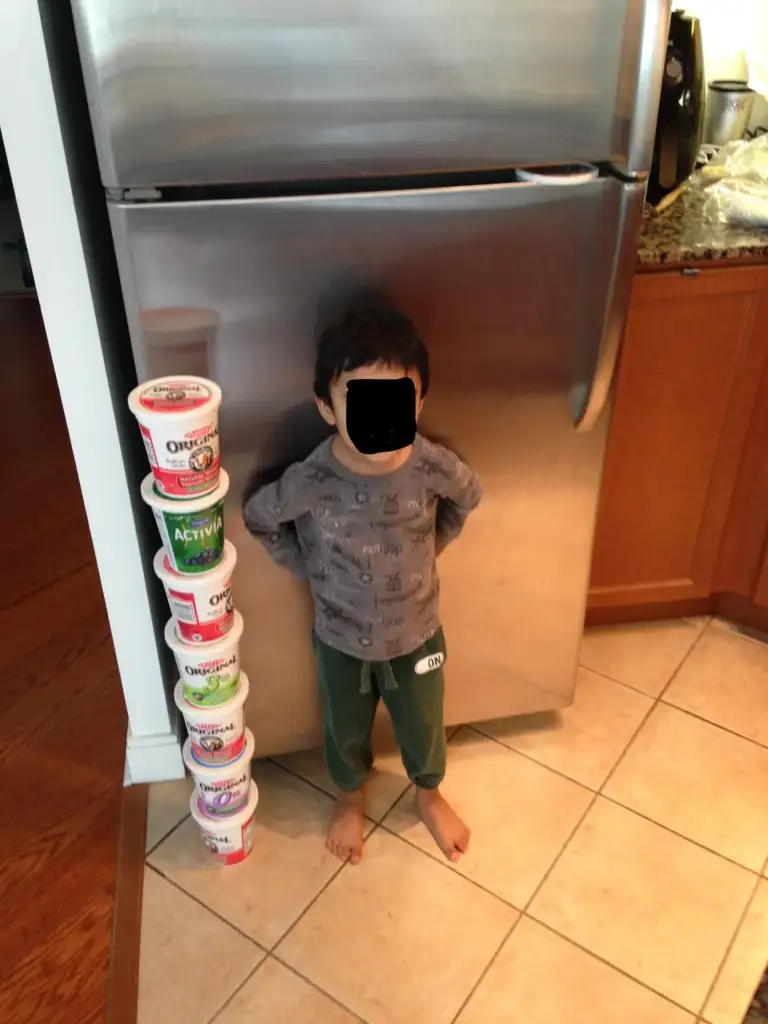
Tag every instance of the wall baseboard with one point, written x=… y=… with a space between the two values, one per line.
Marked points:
x=155 y=758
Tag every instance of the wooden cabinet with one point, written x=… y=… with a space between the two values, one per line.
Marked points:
x=693 y=364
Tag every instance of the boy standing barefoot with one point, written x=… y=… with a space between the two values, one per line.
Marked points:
x=363 y=518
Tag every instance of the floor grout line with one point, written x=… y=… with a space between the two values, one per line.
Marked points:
x=619 y=682
x=318 y=988
x=205 y=906
x=530 y=757
x=717 y=725
x=238 y=989
x=443 y=862
x=729 y=947
x=607 y=963
x=168 y=834
x=685 y=658
x=486 y=969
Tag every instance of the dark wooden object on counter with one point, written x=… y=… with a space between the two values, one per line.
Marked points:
x=62 y=717
x=683 y=518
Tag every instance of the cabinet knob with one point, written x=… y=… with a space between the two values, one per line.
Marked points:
x=690 y=271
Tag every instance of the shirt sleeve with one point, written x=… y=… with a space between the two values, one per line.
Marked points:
x=458 y=493
x=271 y=513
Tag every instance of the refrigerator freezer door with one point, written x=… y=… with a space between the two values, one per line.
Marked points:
x=191 y=92
x=509 y=285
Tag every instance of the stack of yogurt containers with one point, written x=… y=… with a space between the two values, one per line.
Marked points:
x=179 y=422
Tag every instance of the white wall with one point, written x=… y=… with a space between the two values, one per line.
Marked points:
x=32 y=134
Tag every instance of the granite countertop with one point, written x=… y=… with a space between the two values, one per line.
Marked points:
x=683 y=234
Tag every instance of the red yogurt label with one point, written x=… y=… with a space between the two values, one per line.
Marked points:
x=210 y=750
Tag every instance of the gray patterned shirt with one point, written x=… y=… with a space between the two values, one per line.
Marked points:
x=367 y=544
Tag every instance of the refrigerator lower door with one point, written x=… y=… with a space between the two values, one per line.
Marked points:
x=519 y=291
x=188 y=92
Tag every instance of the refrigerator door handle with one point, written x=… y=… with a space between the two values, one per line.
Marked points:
x=590 y=398
x=654 y=30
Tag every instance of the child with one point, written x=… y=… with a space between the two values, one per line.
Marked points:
x=363 y=518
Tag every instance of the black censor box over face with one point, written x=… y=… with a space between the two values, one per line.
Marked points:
x=381 y=414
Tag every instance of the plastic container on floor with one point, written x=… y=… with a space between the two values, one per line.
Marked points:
x=192 y=531
x=222 y=791
x=217 y=735
x=230 y=840
x=209 y=672
x=201 y=605
x=179 y=422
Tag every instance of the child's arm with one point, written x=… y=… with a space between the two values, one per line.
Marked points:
x=459 y=493
x=270 y=515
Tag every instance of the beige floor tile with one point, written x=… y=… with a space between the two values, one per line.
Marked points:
x=726 y=681
x=400 y=939
x=520 y=813
x=583 y=741
x=700 y=781
x=744 y=966
x=387 y=783
x=167 y=804
x=289 y=864
x=540 y=978
x=180 y=981
x=643 y=655
x=651 y=903
x=275 y=995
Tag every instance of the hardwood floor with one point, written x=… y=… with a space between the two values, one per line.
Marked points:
x=62 y=716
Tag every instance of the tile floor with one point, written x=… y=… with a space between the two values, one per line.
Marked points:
x=617 y=873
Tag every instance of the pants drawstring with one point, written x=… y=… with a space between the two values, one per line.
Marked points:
x=384 y=668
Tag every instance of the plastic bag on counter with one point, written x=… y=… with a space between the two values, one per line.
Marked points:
x=737 y=201
x=744 y=160
x=735 y=184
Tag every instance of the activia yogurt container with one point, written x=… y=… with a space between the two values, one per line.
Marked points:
x=217 y=735
x=229 y=839
x=179 y=422
x=192 y=531
x=222 y=791
x=209 y=672
x=201 y=605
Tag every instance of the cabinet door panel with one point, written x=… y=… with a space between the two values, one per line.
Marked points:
x=689 y=373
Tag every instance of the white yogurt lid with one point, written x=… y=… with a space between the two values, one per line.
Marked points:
x=197 y=504
x=175 y=398
x=219 y=712
x=211 y=579
x=219 y=771
x=206 y=651
x=567 y=174
x=230 y=821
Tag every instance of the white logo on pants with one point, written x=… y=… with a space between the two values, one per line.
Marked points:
x=429 y=664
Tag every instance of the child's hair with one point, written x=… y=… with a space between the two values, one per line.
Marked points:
x=369 y=332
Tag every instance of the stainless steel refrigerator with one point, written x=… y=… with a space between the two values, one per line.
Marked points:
x=264 y=158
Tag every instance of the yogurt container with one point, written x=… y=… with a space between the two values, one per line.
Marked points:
x=192 y=531
x=222 y=791
x=217 y=735
x=201 y=605
x=179 y=422
x=230 y=839
x=209 y=672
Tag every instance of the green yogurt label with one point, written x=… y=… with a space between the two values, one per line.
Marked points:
x=195 y=539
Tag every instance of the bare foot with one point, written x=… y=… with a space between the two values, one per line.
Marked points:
x=449 y=831
x=345 y=833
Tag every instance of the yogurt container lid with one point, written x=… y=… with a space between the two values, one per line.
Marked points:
x=182 y=505
x=219 y=711
x=234 y=821
x=211 y=578
x=206 y=771
x=206 y=651
x=174 y=398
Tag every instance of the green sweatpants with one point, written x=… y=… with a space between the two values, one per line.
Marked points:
x=412 y=688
